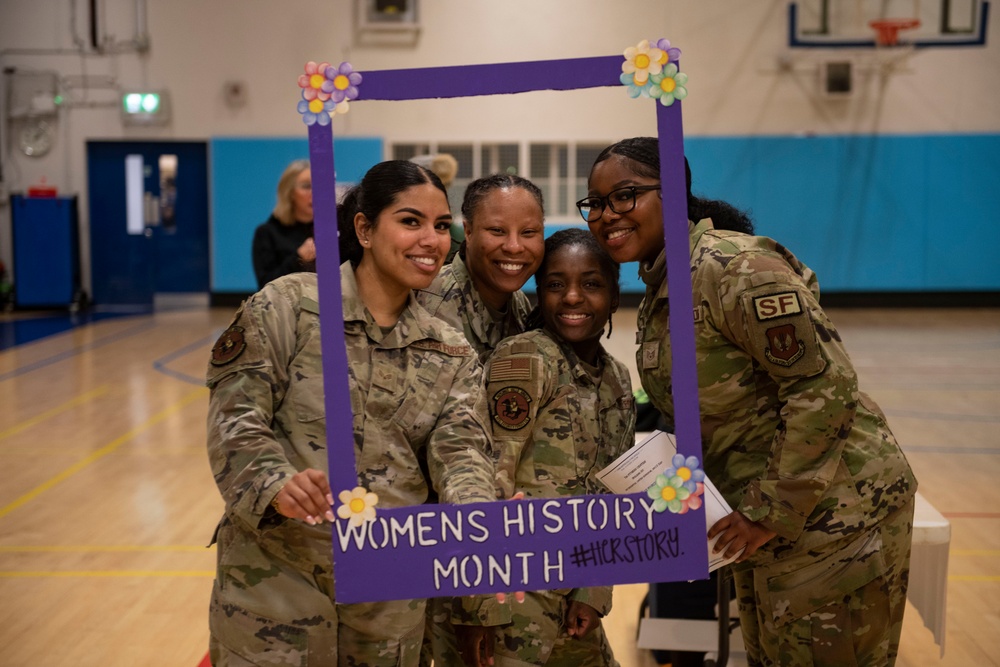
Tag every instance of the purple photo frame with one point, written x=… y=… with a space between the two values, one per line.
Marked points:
x=444 y=550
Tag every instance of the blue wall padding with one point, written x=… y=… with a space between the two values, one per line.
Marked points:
x=245 y=173
x=867 y=213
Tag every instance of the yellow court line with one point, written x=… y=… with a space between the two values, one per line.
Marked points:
x=972 y=577
x=92 y=548
x=108 y=573
x=37 y=419
x=974 y=552
x=102 y=452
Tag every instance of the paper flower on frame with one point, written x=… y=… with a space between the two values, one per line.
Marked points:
x=642 y=61
x=681 y=486
x=315 y=83
x=671 y=54
x=316 y=110
x=668 y=85
x=357 y=505
x=344 y=81
x=634 y=90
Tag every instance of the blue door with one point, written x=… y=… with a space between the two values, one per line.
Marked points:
x=148 y=219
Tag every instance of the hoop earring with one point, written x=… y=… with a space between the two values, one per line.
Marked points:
x=610 y=326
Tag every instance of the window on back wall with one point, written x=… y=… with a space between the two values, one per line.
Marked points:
x=560 y=170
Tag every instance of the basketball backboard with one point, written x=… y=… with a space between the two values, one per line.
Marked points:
x=921 y=23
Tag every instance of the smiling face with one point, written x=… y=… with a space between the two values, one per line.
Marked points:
x=302 y=197
x=406 y=246
x=576 y=298
x=504 y=243
x=633 y=236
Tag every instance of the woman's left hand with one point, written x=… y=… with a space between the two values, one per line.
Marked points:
x=738 y=532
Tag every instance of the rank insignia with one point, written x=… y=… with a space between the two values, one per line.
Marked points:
x=783 y=348
x=229 y=346
x=510 y=408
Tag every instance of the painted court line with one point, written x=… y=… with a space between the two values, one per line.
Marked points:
x=42 y=363
x=160 y=364
x=102 y=452
x=38 y=419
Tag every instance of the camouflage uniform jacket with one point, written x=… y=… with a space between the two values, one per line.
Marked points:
x=554 y=428
x=454 y=299
x=416 y=395
x=788 y=438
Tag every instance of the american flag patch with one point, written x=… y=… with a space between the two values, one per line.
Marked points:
x=510 y=369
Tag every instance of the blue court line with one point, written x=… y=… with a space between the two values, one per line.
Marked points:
x=160 y=364
x=945 y=449
x=42 y=363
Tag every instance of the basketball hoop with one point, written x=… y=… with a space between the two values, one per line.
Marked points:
x=887 y=30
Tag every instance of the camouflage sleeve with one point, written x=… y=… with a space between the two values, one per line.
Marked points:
x=776 y=318
x=516 y=393
x=598 y=597
x=247 y=378
x=458 y=452
x=480 y=610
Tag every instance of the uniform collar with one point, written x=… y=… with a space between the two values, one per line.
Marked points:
x=414 y=323
x=655 y=275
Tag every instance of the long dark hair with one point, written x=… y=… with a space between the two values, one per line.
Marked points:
x=376 y=192
x=644 y=155
x=565 y=238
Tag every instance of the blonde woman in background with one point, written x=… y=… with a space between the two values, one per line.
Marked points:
x=284 y=243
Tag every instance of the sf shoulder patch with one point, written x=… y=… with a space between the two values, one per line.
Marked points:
x=770 y=306
x=229 y=346
x=510 y=408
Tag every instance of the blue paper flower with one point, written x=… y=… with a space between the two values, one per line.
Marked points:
x=316 y=110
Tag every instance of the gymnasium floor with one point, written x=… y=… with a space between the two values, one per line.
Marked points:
x=107 y=503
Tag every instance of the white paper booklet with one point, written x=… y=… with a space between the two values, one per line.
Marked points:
x=636 y=470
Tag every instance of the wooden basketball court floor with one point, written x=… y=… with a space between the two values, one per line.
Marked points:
x=107 y=502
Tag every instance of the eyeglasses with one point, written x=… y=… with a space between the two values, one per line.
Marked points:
x=620 y=201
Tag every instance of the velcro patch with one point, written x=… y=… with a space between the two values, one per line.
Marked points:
x=451 y=350
x=770 y=306
x=783 y=345
x=229 y=346
x=510 y=369
x=510 y=408
x=651 y=355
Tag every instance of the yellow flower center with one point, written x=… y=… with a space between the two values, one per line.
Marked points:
x=316 y=81
x=668 y=85
x=668 y=493
x=357 y=505
x=642 y=61
x=341 y=82
x=316 y=106
x=684 y=472
x=664 y=57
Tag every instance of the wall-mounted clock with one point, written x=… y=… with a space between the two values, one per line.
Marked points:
x=35 y=138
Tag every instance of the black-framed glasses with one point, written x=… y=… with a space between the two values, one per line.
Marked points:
x=620 y=201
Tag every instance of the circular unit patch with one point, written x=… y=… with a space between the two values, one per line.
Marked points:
x=229 y=346
x=510 y=408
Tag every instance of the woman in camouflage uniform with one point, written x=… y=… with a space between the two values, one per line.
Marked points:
x=823 y=494
x=419 y=426
x=561 y=411
x=479 y=293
